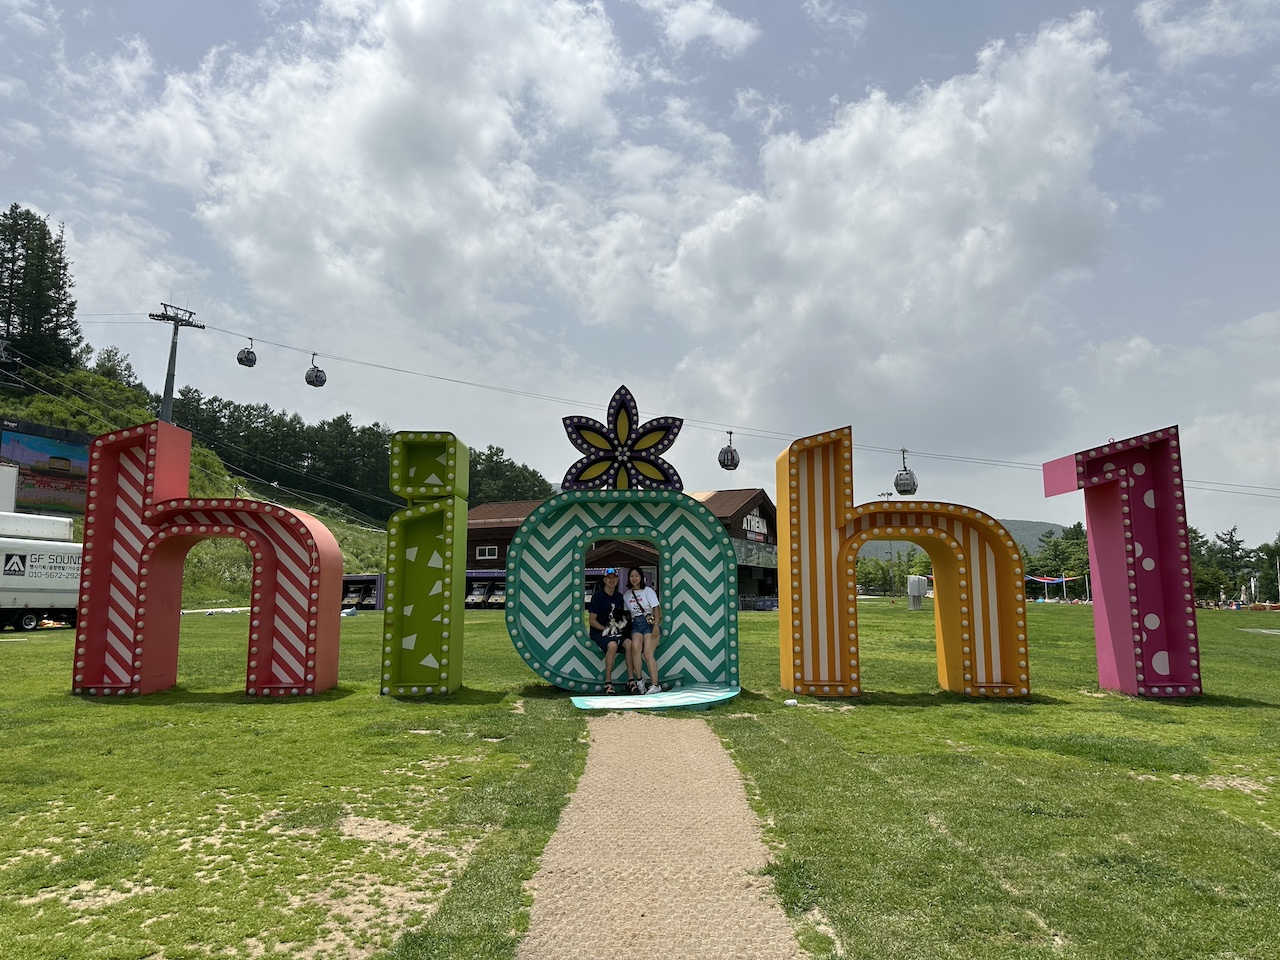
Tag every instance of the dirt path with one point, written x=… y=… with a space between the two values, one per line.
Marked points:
x=657 y=855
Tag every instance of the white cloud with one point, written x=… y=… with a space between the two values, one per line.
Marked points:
x=20 y=133
x=751 y=104
x=1220 y=390
x=37 y=19
x=1219 y=28
x=899 y=260
x=1269 y=87
x=376 y=161
x=493 y=192
x=833 y=17
x=686 y=21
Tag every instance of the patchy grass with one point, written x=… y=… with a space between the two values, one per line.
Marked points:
x=908 y=823
x=1078 y=823
x=200 y=823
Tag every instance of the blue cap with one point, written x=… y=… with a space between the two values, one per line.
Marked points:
x=610 y=570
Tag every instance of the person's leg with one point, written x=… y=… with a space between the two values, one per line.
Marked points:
x=610 y=654
x=631 y=650
x=637 y=651
x=650 y=647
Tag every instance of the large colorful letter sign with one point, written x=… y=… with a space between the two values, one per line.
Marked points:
x=979 y=611
x=1144 y=611
x=622 y=489
x=139 y=526
x=426 y=565
x=545 y=572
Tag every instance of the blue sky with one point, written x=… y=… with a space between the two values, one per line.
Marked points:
x=985 y=231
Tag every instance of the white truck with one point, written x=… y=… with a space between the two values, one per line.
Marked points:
x=40 y=576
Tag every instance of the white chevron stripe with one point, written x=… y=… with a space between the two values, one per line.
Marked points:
x=544 y=547
x=705 y=637
x=127 y=535
x=547 y=578
x=548 y=597
x=682 y=666
x=131 y=466
x=116 y=672
x=575 y=668
x=551 y=623
x=682 y=577
x=287 y=657
x=713 y=583
x=292 y=539
x=295 y=619
x=574 y=515
x=292 y=589
x=708 y=663
x=122 y=651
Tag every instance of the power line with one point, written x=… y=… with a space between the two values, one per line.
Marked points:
x=1208 y=486
x=210 y=443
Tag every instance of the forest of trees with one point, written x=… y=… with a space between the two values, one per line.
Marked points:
x=336 y=459
x=37 y=313
x=1223 y=568
x=53 y=377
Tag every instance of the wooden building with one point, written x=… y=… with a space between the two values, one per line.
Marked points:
x=748 y=516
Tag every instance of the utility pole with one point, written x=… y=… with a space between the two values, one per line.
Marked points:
x=888 y=495
x=179 y=318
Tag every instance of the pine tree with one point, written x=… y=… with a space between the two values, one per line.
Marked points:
x=37 y=313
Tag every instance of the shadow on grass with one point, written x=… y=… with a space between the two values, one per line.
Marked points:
x=180 y=695
x=918 y=699
x=543 y=691
x=1207 y=700
x=462 y=697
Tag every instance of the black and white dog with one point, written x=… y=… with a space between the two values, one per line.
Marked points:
x=617 y=625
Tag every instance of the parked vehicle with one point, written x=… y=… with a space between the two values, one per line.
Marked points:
x=477 y=594
x=498 y=597
x=40 y=576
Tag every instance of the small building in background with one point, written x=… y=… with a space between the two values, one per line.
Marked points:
x=748 y=516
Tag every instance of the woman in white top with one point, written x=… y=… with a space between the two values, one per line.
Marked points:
x=646 y=623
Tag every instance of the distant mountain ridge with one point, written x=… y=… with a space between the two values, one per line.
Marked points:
x=1026 y=534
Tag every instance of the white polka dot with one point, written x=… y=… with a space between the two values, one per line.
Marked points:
x=1139 y=469
x=1151 y=621
x=1137 y=549
x=1148 y=564
x=1160 y=663
x=1149 y=498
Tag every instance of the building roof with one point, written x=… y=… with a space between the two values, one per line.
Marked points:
x=722 y=503
x=509 y=514
x=725 y=503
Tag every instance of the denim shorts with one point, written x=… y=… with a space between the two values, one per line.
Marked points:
x=641 y=626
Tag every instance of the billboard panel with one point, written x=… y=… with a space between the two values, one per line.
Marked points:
x=52 y=470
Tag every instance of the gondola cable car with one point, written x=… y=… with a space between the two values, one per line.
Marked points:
x=315 y=376
x=246 y=357
x=729 y=458
x=905 y=482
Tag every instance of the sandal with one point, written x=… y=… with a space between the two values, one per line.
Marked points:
x=608 y=690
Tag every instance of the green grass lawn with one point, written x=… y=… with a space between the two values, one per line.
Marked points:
x=907 y=823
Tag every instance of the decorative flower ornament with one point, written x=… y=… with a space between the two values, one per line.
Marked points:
x=625 y=453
